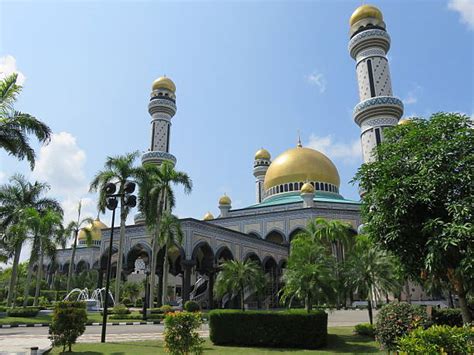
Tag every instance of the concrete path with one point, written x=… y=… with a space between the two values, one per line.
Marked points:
x=20 y=340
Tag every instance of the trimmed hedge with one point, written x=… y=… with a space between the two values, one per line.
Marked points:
x=23 y=312
x=294 y=329
x=365 y=329
x=447 y=316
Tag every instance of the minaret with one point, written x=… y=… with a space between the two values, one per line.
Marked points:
x=162 y=107
x=260 y=166
x=377 y=108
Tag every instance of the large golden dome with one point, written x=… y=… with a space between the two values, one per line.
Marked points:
x=301 y=164
x=164 y=83
x=365 y=11
x=95 y=228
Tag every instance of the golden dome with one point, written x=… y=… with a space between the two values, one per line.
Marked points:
x=208 y=216
x=404 y=121
x=301 y=164
x=307 y=188
x=365 y=11
x=95 y=228
x=225 y=200
x=262 y=154
x=164 y=83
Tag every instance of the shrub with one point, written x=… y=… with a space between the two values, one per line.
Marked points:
x=181 y=336
x=3 y=309
x=191 y=306
x=152 y=311
x=447 y=316
x=365 y=329
x=139 y=302
x=395 y=320
x=166 y=308
x=438 y=339
x=68 y=323
x=23 y=312
x=120 y=309
x=294 y=329
x=127 y=302
x=19 y=301
x=126 y=316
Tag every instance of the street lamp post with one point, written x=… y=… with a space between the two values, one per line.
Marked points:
x=111 y=203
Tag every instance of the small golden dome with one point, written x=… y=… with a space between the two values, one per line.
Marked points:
x=208 y=216
x=225 y=200
x=365 y=11
x=95 y=228
x=307 y=188
x=164 y=83
x=262 y=154
x=301 y=164
x=404 y=121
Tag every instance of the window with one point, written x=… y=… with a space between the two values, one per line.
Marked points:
x=286 y=187
x=291 y=187
x=317 y=186
x=326 y=187
x=377 y=136
x=371 y=78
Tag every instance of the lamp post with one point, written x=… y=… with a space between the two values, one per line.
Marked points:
x=147 y=273
x=112 y=203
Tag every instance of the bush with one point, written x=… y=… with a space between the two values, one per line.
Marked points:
x=166 y=308
x=68 y=323
x=3 y=309
x=365 y=329
x=181 y=335
x=152 y=311
x=139 y=302
x=23 y=312
x=19 y=301
x=126 y=316
x=120 y=309
x=127 y=302
x=395 y=320
x=191 y=306
x=447 y=316
x=288 y=329
x=438 y=339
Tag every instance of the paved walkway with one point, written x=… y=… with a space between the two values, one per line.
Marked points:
x=20 y=340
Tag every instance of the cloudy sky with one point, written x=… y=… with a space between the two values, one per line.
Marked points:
x=248 y=74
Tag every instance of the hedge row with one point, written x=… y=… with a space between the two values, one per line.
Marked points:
x=23 y=312
x=270 y=329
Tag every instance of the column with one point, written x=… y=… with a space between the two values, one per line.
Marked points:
x=212 y=274
x=187 y=266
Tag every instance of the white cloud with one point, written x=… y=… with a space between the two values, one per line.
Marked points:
x=319 y=80
x=2 y=177
x=61 y=164
x=347 y=152
x=465 y=9
x=8 y=67
x=412 y=96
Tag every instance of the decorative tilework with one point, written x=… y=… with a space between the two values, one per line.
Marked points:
x=369 y=34
x=156 y=155
x=378 y=101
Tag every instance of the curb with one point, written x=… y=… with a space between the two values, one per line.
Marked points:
x=87 y=324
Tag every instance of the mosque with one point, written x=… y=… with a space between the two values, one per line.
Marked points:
x=299 y=184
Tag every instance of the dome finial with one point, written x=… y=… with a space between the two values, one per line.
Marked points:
x=299 y=145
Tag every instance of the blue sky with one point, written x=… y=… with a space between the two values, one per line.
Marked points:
x=248 y=75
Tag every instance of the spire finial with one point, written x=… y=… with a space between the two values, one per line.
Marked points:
x=299 y=145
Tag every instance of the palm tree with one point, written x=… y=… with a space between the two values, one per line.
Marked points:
x=15 y=125
x=15 y=197
x=309 y=275
x=236 y=276
x=155 y=197
x=119 y=169
x=370 y=270
x=73 y=229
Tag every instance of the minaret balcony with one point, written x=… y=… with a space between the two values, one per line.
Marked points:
x=377 y=106
x=369 y=39
x=157 y=157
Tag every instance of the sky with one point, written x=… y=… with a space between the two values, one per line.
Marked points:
x=249 y=74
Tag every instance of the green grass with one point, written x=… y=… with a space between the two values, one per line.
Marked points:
x=340 y=340
x=46 y=318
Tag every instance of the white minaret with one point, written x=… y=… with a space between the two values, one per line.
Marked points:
x=162 y=107
x=377 y=108
x=260 y=166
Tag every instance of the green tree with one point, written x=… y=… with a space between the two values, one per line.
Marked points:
x=132 y=290
x=419 y=199
x=156 y=196
x=15 y=126
x=15 y=197
x=310 y=273
x=73 y=229
x=370 y=270
x=118 y=169
x=236 y=276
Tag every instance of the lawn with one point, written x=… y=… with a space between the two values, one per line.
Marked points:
x=46 y=318
x=340 y=340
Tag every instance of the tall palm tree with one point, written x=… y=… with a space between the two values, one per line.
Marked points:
x=370 y=270
x=236 y=276
x=15 y=197
x=15 y=126
x=73 y=229
x=309 y=275
x=171 y=234
x=155 y=197
x=118 y=169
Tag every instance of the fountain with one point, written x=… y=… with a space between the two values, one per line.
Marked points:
x=94 y=301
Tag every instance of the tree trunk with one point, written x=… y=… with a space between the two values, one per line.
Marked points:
x=165 y=277
x=369 y=308
x=71 y=262
x=39 y=276
x=407 y=291
x=466 y=313
x=118 y=278
x=242 y=301
x=13 y=279
x=458 y=287
x=31 y=263
x=309 y=303
x=155 y=248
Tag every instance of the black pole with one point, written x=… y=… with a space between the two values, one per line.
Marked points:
x=146 y=296
x=107 y=278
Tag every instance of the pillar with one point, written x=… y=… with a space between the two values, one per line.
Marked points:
x=187 y=266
